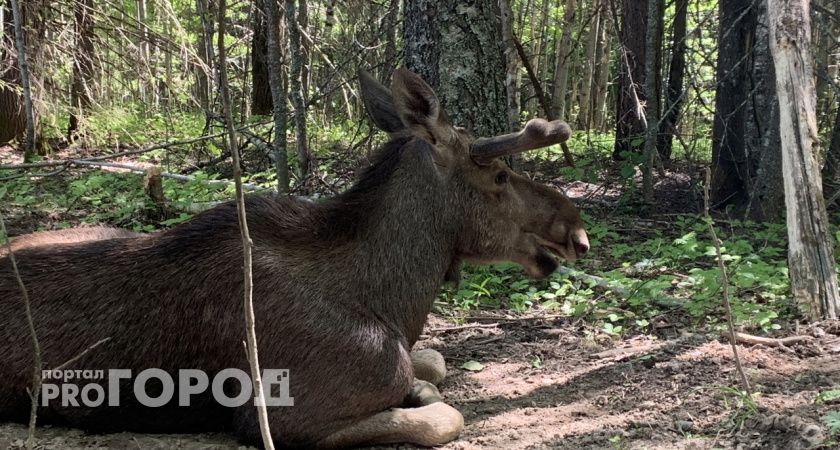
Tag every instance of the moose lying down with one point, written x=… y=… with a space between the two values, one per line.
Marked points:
x=342 y=288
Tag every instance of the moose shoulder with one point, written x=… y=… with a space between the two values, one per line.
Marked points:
x=342 y=288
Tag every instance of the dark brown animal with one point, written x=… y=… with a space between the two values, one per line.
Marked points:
x=342 y=288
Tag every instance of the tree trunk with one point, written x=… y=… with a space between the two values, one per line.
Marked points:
x=305 y=51
x=589 y=63
x=143 y=48
x=676 y=73
x=295 y=90
x=562 y=62
x=206 y=74
x=29 y=145
x=731 y=177
x=630 y=127
x=652 y=42
x=455 y=46
x=12 y=117
x=831 y=169
x=603 y=72
x=391 y=19
x=766 y=197
x=512 y=66
x=813 y=276
x=278 y=95
x=83 y=68
x=260 y=90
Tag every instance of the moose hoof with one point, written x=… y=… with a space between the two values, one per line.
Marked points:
x=422 y=393
x=428 y=365
x=442 y=424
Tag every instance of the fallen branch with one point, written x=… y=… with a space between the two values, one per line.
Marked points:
x=750 y=339
x=139 y=169
x=463 y=327
x=724 y=286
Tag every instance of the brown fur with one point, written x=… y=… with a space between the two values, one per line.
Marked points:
x=68 y=236
x=342 y=289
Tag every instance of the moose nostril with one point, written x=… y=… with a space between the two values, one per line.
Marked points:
x=581 y=249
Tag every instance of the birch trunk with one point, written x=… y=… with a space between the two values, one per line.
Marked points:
x=813 y=277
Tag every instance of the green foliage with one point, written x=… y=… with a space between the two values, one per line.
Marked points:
x=643 y=276
x=828 y=395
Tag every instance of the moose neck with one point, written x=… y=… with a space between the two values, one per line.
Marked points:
x=407 y=242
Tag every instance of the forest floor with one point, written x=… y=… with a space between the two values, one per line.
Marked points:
x=554 y=383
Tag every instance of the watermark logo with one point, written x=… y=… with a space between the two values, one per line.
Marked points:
x=70 y=389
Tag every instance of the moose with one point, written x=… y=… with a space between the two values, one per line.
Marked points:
x=342 y=288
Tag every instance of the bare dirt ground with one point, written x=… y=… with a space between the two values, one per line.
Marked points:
x=548 y=383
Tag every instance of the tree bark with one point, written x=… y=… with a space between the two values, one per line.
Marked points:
x=589 y=63
x=766 y=197
x=29 y=145
x=603 y=72
x=652 y=94
x=630 y=126
x=831 y=169
x=454 y=45
x=278 y=95
x=731 y=176
x=813 y=276
x=674 y=91
x=295 y=90
x=83 y=67
x=512 y=66
x=260 y=89
x=12 y=116
x=562 y=62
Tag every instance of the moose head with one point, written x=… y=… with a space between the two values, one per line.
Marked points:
x=505 y=216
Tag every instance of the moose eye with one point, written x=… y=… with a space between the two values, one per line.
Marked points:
x=501 y=177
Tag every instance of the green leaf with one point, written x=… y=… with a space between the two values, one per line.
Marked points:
x=827 y=396
x=473 y=366
x=536 y=362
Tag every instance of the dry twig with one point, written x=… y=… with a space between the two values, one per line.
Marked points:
x=724 y=286
x=36 y=347
x=250 y=331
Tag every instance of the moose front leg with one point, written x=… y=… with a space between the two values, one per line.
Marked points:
x=428 y=365
x=429 y=425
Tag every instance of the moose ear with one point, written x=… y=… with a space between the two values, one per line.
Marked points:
x=417 y=104
x=379 y=104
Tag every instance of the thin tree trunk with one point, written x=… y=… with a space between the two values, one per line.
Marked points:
x=562 y=62
x=261 y=103
x=278 y=95
x=207 y=53
x=652 y=95
x=603 y=70
x=512 y=69
x=813 y=276
x=295 y=90
x=676 y=73
x=831 y=169
x=629 y=117
x=306 y=51
x=83 y=69
x=29 y=146
x=589 y=62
